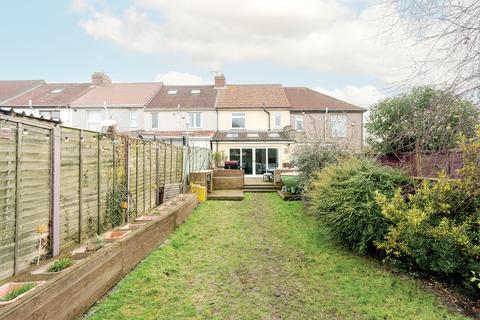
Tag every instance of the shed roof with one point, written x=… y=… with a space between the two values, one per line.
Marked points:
x=234 y=135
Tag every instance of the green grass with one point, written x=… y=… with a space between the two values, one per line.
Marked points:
x=19 y=291
x=60 y=264
x=262 y=258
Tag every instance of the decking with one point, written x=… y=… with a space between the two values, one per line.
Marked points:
x=232 y=195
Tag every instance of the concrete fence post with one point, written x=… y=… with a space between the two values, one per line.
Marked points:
x=55 y=190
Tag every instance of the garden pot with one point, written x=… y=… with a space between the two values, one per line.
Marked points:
x=10 y=286
x=146 y=218
x=116 y=235
x=124 y=205
x=131 y=226
x=43 y=270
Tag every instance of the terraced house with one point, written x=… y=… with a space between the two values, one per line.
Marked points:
x=254 y=124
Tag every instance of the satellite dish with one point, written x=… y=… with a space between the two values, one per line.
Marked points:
x=108 y=123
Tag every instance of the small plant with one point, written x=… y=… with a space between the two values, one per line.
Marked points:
x=60 y=265
x=218 y=158
x=18 y=291
x=95 y=244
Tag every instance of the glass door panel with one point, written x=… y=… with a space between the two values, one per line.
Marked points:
x=272 y=158
x=247 y=161
x=260 y=161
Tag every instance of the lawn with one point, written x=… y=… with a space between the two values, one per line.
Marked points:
x=262 y=258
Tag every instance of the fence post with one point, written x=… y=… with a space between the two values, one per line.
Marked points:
x=150 y=176
x=80 y=189
x=171 y=161
x=127 y=160
x=157 y=177
x=17 y=196
x=99 y=183
x=136 y=177
x=144 y=179
x=55 y=189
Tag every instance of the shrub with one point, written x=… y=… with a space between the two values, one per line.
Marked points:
x=312 y=157
x=343 y=197
x=60 y=265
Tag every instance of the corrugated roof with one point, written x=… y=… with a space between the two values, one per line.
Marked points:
x=251 y=136
x=252 y=96
x=188 y=97
x=50 y=95
x=119 y=94
x=302 y=98
x=11 y=88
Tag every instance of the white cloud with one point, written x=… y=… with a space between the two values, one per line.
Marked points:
x=325 y=35
x=361 y=96
x=179 y=78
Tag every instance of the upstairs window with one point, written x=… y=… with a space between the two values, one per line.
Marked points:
x=299 y=123
x=194 y=119
x=338 y=124
x=277 y=116
x=94 y=120
x=154 y=120
x=133 y=118
x=238 y=120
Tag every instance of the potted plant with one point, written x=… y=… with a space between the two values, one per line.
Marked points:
x=12 y=291
x=54 y=267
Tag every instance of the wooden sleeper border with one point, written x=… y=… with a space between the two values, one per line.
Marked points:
x=71 y=293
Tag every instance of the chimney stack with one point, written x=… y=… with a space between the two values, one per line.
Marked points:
x=100 y=78
x=220 y=81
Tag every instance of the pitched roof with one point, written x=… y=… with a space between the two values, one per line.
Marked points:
x=12 y=88
x=252 y=96
x=50 y=95
x=120 y=94
x=302 y=98
x=188 y=97
x=251 y=136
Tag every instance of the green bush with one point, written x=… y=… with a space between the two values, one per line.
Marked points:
x=343 y=197
x=60 y=265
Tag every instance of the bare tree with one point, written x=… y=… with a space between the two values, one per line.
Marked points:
x=450 y=32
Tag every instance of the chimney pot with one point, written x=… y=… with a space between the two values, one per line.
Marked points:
x=100 y=78
x=220 y=81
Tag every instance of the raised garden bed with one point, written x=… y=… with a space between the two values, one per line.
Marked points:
x=53 y=268
x=131 y=226
x=146 y=218
x=68 y=294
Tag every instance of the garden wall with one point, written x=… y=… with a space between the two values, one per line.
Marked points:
x=74 y=181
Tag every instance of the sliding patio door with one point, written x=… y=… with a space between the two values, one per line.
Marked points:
x=260 y=161
x=255 y=161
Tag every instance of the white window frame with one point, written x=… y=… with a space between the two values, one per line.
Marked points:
x=195 y=120
x=299 y=119
x=238 y=115
x=155 y=116
x=338 y=125
x=133 y=116
x=95 y=124
x=277 y=117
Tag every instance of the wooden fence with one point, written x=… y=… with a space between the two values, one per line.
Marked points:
x=75 y=182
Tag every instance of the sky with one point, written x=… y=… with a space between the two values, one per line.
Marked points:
x=336 y=47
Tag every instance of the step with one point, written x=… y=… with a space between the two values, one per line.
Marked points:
x=260 y=190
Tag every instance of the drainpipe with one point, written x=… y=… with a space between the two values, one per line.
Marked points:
x=325 y=127
x=268 y=112
x=106 y=109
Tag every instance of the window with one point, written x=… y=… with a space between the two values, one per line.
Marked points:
x=277 y=116
x=234 y=155
x=53 y=114
x=194 y=119
x=252 y=135
x=272 y=158
x=133 y=118
x=232 y=135
x=94 y=120
x=274 y=135
x=154 y=120
x=172 y=91
x=238 y=120
x=195 y=91
x=338 y=125
x=299 y=123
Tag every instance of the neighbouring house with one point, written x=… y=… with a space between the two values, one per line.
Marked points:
x=119 y=104
x=10 y=89
x=178 y=114
x=50 y=101
x=317 y=117
x=251 y=123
